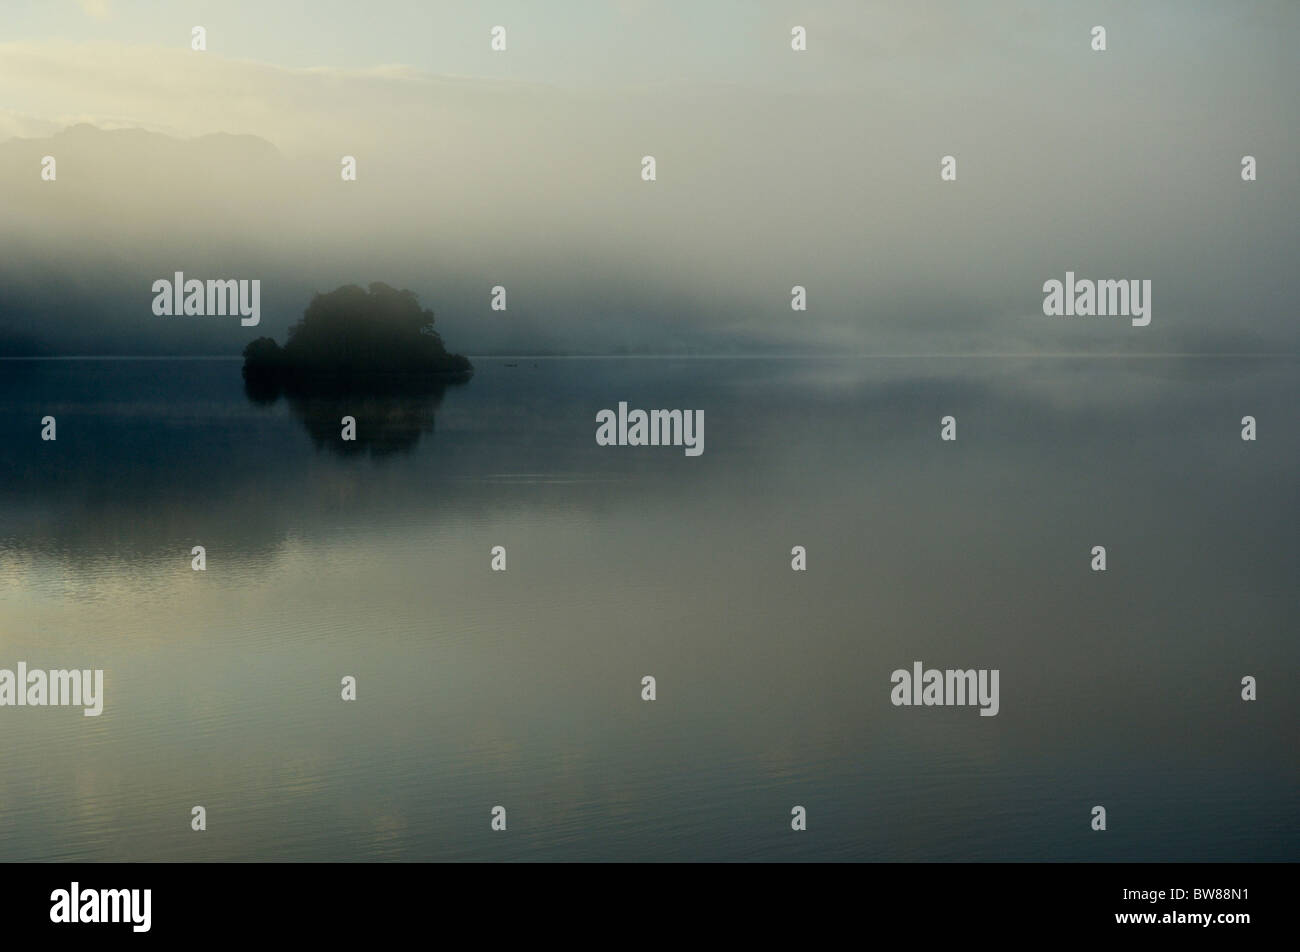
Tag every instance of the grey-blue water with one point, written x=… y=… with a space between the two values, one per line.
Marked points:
x=523 y=688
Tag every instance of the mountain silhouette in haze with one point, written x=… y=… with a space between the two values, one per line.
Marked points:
x=113 y=169
x=78 y=253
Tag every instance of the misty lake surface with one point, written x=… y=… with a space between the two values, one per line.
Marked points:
x=522 y=688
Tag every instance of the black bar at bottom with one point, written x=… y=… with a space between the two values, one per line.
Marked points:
x=672 y=902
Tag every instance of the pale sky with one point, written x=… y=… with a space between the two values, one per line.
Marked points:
x=552 y=42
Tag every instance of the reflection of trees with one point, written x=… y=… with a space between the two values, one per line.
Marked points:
x=391 y=413
x=386 y=423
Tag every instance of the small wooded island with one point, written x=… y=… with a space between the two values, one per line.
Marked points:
x=354 y=338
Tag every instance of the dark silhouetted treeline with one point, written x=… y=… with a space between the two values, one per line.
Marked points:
x=372 y=339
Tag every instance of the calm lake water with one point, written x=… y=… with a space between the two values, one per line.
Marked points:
x=522 y=688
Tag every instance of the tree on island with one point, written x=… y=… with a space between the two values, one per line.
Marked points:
x=356 y=337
